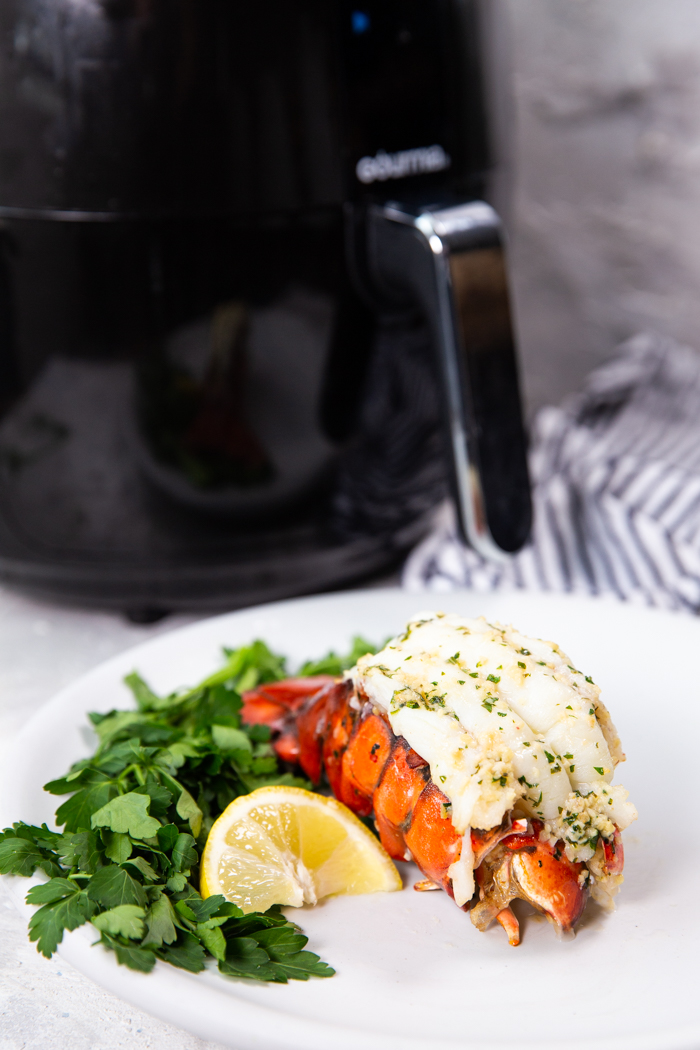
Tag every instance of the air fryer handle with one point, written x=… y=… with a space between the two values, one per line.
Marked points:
x=451 y=261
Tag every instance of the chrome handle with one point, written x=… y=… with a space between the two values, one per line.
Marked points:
x=451 y=260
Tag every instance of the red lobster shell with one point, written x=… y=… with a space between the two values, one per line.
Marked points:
x=323 y=726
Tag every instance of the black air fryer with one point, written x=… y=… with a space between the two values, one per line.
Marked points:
x=253 y=310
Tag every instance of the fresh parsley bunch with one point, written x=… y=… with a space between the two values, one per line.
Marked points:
x=137 y=819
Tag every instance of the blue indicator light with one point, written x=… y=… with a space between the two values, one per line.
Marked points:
x=360 y=22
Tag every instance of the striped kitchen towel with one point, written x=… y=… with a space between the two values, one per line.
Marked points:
x=616 y=488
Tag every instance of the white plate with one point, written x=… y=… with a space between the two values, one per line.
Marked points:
x=412 y=972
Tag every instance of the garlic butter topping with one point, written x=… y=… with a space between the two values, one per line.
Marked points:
x=504 y=722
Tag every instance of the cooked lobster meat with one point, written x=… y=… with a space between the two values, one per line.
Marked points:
x=433 y=741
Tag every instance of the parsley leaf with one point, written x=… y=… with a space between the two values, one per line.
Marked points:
x=127 y=814
x=187 y=953
x=113 y=885
x=129 y=955
x=137 y=817
x=160 y=924
x=125 y=919
x=77 y=812
x=21 y=853
x=184 y=855
x=66 y=907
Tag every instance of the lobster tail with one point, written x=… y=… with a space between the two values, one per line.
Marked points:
x=324 y=726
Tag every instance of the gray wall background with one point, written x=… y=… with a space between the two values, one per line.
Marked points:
x=597 y=106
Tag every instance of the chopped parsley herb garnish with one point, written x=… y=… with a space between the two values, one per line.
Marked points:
x=524 y=652
x=495 y=678
x=526 y=743
x=572 y=768
x=550 y=758
x=461 y=681
x=522 y=780
x=473 y=674
x=591 y=712
x=521 y=664
x=541 y=663
x=569 y=707
x=453 y=659
x=501 y=714
x=568 y=755
x=599 y=769
x=589 y=679
x=488 y=704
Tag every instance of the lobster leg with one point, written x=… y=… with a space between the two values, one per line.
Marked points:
x=510 y=924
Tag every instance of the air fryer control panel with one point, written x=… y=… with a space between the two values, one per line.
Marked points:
x=412 y=96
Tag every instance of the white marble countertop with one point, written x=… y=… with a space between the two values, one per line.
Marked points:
x=45 y=1004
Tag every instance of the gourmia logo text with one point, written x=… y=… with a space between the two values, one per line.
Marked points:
x=385 y=166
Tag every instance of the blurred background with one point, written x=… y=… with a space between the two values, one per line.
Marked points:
x=600 y=124
x=211 y=391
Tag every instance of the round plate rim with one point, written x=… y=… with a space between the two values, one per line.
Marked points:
x=300 y=1033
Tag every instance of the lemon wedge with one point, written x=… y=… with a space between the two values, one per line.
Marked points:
x=284 y=845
